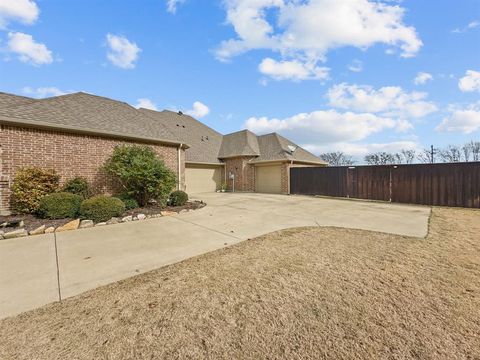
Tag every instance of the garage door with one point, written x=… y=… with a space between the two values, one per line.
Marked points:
x=199 y=179
x=268 y=179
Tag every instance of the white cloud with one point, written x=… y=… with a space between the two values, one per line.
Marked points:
x=292 y=70
x=199 y=110
x=307 y=30
x=24 y=11
x=323 y=126
x=122 y=52
x=28 y=50
x=461 y=120
x=470 y=82
x=422 y=78
x=356 y=66
x=172 y=5
x=389 y=100
x=471 y=25
x=146 y=104
x=43 y=92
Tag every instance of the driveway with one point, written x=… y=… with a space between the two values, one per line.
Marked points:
x=31 y=276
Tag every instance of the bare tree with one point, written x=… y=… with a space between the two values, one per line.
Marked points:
x=466 y=151
x=424 y=156
x=398 y=158
x=337 y=158
x=475 y=150
x=451 y=153
x=379 y=158
x=409 y=156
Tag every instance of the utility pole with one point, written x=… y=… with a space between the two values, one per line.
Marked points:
x=432 y=154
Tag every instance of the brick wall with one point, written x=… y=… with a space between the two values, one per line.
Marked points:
x=285 y=173
x=69 y=154
x=244 y=173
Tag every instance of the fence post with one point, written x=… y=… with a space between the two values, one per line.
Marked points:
x=390 y=184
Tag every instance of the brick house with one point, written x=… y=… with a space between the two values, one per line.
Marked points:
x=74 y=134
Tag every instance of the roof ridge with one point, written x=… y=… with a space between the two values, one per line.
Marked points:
x=20 y=96
x=240 y=131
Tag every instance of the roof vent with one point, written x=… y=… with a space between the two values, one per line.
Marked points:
x=180 y=113
x=292 y=148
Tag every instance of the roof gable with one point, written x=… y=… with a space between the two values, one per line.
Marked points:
x=240 y=143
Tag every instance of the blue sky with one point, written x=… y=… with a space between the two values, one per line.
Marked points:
x=351 y=75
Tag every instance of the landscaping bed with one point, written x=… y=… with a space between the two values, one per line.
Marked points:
x=144 y=185
x=31 y=222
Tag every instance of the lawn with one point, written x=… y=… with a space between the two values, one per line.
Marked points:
x=304 y=293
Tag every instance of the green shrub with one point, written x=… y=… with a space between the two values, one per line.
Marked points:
x=130 y=203
x=178 y=198
x=59 y=206
x=78 y=186
x=141 y=173
x=101 y=208
x=29 y=186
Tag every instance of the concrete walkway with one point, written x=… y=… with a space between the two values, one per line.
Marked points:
x=30 y=275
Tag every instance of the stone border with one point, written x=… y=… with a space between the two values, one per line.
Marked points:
x=85 y=224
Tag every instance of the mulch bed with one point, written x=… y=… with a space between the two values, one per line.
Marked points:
x=31 y=222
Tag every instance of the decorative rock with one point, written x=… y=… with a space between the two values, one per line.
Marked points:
x=1 y=234
x=38 y=231
x=113 y=220
x=127 y=218
x=15 y=234
x=141 y=217
x=101 y=224
x=72 y=225
x=168 y=213
x=184 y=211
x=49 y=230
x=149 y=216
x=134 y=218
x=86 y=224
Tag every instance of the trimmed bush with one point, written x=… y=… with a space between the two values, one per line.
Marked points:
x=59 y=206
x=130 y=203
x=178 y=198
x=29 y=186
x=101 y=208
x=78 y=186
x=141 y=173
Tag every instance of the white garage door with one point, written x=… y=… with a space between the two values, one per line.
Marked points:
x=200 y=179
x=268 y=179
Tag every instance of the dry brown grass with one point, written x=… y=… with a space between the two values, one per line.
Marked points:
x=299 y=294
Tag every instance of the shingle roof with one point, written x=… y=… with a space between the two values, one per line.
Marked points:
x=99 y=115
x=204 y=142
x=9 y=100
x=86 y=112
x=240 y=143
x=276 y=147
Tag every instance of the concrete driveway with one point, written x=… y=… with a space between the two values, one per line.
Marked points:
x=31 y=276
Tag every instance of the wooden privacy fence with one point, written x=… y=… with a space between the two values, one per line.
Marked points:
x=452 y=184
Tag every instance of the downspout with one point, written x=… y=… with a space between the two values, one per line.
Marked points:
x=288 y=177
x=179 y=158
x=225 y=173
